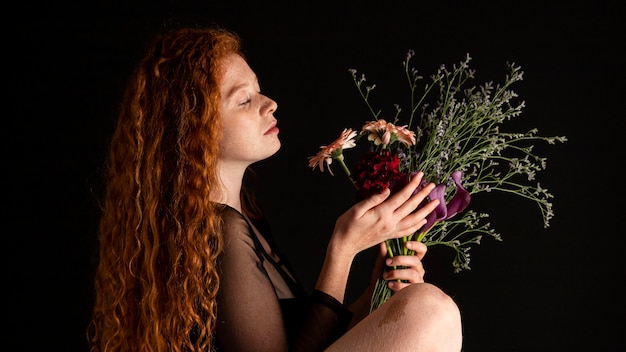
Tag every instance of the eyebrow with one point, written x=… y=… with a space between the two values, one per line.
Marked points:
x=237 y=87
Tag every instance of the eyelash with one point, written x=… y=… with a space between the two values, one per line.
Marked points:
x=248 y=101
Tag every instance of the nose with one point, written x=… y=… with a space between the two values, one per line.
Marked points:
x=269 y=106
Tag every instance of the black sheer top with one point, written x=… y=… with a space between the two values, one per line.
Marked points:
x=261 y=304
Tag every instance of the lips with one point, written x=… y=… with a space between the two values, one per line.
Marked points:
x=272 y=129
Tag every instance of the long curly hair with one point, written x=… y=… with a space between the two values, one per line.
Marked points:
x=159 y=233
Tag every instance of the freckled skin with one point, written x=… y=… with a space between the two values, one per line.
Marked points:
x=394 y=312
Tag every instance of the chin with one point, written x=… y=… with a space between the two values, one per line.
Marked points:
x=276 y=149
x=272 y=151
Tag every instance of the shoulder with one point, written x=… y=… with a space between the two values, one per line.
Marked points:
x=239 y=244
x=235 y=228
x=231 y=215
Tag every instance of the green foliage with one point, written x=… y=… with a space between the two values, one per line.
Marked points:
x=458 y=127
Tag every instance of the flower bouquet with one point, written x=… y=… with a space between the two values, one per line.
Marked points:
x=457 y=142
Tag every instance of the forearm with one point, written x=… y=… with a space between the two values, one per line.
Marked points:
x=360 y=308
x=335 y=270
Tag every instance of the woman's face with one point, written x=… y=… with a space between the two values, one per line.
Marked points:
x=249 y=132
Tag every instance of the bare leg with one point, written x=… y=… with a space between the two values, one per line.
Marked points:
x=419 y=317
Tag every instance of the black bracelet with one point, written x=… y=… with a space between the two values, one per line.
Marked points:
x=328 y=300
x=344 y=316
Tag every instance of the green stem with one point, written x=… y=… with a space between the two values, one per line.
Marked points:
x=421 y=235
x=346 y=170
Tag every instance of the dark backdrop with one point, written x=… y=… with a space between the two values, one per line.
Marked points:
x=554 y=289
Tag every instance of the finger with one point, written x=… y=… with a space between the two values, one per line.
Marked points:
x=418 y=248
x=379 y=264
x=423 y=211
x=419 y=196
x=401 y=196
x=398 y=278
x=402 y=264
x=409 y=226
x=397 y=285
x=415 y=200
x=370 y=202
x=383 y=249
x=413 y=222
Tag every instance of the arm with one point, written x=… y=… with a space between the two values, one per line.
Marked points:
x=249 y=312
x=249 y=315
x=369 y=223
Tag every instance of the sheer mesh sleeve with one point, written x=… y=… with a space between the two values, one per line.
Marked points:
x=327 y=319
x=250 y=315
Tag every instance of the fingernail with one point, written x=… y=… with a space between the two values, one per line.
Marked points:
x=389 y=261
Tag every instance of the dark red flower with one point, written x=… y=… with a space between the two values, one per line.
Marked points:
x=374 y=172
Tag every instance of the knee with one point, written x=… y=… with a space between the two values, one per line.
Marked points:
x=430 y=303
x=431 y=293
x=426 y=317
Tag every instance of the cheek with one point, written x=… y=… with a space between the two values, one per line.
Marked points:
x=234 y=141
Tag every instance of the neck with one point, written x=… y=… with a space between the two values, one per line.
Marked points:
x=229 y=192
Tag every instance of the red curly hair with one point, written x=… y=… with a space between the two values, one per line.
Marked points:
x=159 y=233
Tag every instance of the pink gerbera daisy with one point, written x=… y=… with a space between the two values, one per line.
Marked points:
x=383 y=132
x=333 y=151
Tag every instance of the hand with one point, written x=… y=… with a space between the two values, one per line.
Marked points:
x=381 y=217
x=408 y=268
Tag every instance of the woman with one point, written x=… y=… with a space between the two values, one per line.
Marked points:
x=187 y=262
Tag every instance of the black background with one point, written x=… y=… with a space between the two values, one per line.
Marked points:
x=554 y=289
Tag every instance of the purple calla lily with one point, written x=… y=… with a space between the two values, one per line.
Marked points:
x=461 y=198
x=444 y=211
x=441 y=211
